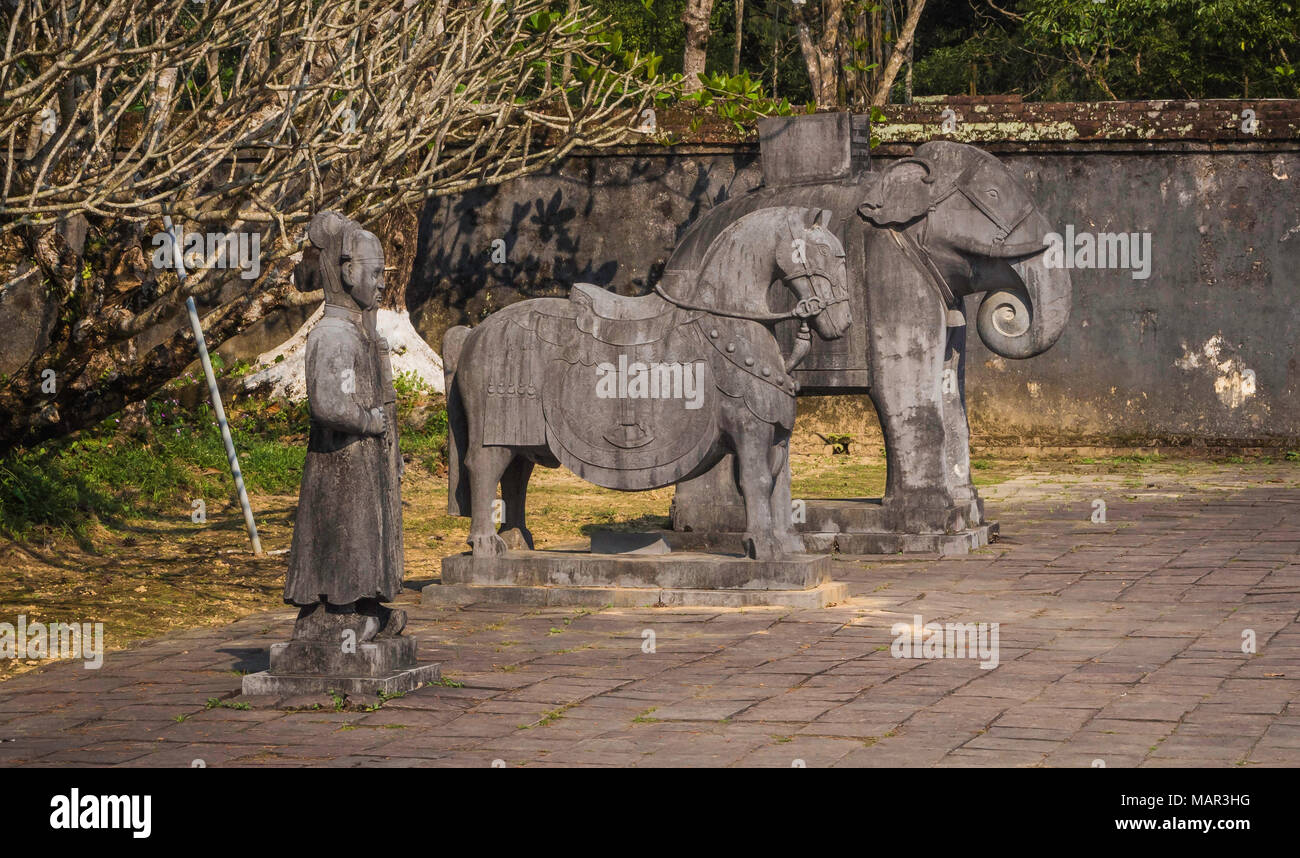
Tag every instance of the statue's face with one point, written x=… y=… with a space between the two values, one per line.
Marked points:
x=363 y=273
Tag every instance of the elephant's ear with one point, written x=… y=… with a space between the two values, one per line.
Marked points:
x=902 y=195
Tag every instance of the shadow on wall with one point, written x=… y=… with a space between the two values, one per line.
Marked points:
x=613 y=224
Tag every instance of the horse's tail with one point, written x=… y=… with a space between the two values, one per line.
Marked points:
x=457 y=423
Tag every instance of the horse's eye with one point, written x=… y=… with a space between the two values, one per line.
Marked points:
x=993 y=192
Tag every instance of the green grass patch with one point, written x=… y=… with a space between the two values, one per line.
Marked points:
x=160 y=456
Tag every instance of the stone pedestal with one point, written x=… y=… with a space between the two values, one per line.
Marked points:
x=708 y=514
x=633 y=580
x=380 y=666
x=826 y=542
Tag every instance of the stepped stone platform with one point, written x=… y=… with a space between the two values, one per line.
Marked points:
x=827 y=542
x=844 y=525
x=634 y=579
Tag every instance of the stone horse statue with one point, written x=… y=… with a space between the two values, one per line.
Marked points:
x=638 y=393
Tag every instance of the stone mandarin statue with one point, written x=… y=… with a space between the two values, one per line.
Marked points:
x=346 y=559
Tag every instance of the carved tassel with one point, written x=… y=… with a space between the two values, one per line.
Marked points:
x=802 y=345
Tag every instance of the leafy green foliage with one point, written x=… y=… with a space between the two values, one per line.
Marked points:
x=737 y=98
x=1127 y=49
x=1044 y=49
x=839 y=442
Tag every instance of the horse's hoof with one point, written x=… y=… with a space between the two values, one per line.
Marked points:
x=490 y=545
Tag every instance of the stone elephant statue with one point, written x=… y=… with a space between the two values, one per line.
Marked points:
x=920 y=235
x=948 y=222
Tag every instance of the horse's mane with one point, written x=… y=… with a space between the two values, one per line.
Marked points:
x=692 y=273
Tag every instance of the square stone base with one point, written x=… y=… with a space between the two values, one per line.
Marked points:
x=579 y=578
x=397 y=682
x=383 y=665
x=961 y=542
x=846 y=525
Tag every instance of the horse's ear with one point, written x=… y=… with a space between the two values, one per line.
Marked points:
x=823 y=219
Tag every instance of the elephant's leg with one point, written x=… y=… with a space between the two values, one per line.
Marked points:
x=486 y=465
x=790 y=540
x=956 y=428
x=514 y=491
x=909 y=342
x=753 y=444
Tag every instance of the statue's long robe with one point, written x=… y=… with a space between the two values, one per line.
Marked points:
x=347 y=540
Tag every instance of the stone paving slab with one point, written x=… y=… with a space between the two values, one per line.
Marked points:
x=1120 y=642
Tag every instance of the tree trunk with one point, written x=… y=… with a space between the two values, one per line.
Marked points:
x=821 y=55
x=899 y=54
x=776 y=44
x=740 y=36
x=568 y=57
x=907 y=78
x=696 y=19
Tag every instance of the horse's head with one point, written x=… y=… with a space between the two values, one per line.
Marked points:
x=812 y=265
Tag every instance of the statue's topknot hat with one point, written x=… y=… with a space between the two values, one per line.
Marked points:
x=334 y=240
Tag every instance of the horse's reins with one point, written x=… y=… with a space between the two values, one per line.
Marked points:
x=804 y=309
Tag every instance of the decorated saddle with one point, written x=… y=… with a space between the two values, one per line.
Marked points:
x=624 y=390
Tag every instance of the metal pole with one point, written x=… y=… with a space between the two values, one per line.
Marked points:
x=215 y=393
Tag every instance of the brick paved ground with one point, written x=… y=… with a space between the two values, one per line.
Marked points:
x=1120 y=642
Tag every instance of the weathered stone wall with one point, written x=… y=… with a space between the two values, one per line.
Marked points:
x=1203 y=352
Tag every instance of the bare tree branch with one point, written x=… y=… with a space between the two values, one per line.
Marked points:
x=248 y=116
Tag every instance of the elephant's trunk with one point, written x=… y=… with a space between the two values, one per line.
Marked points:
x=1024 y=320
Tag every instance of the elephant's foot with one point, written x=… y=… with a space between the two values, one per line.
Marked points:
x=487 y=545
x=763 y=546
x=517 y=538
x=969 y=500
x=792 y=543
x=924 y=511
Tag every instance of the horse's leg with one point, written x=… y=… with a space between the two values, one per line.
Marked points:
x=514 y=491
x=486 y=466
x=754 y=442
x=788 y=538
